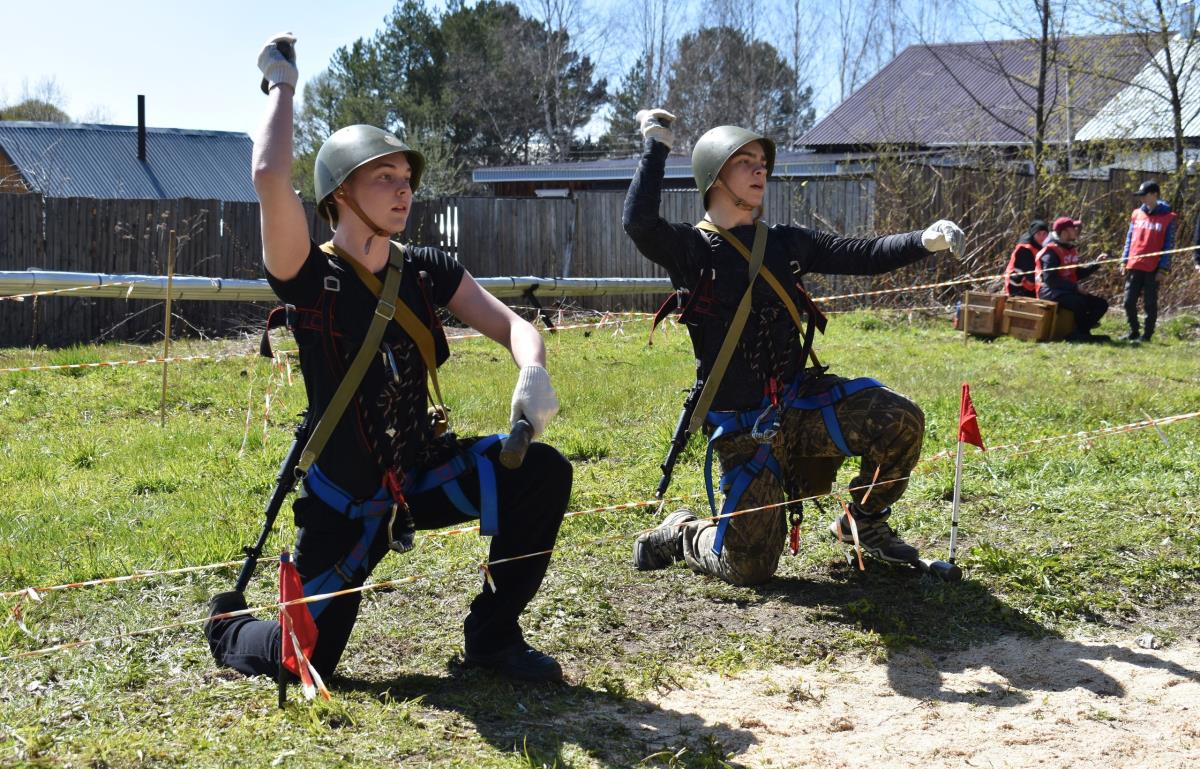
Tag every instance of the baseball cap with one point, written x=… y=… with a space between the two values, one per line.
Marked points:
x=1147 y=187
x=1066 y=221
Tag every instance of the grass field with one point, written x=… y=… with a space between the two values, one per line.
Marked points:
x=1099 y=535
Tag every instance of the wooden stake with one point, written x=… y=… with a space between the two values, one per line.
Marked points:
x=162 y=408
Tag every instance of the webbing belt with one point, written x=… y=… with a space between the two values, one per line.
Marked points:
x=738 y=479
x=372 y=511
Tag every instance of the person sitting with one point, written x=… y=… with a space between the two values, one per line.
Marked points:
x=1019 y=274
x=1057 y=274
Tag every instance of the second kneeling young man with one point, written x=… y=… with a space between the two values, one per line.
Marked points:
x=779 y=424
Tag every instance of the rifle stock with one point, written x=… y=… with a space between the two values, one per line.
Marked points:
x=679 y=439
x=283 y=486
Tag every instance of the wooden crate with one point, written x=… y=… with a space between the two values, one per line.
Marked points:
x=1026 y=318
x=982 y=313
x=1064 y=323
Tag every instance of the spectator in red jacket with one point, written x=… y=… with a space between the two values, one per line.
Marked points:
x=1058 y=272
x=1151 y=232
x=1019 y=274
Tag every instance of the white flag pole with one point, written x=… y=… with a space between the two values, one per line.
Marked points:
x=958 y=461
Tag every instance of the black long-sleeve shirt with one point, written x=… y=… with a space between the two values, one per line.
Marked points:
x=769 y=345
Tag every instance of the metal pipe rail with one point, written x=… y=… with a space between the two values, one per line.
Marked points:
x=196 y=288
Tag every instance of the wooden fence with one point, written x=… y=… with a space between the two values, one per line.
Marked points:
x=558 y=237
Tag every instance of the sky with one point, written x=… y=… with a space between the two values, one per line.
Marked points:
x=195 y=62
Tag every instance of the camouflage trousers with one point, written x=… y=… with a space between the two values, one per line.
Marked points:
x=879 y=425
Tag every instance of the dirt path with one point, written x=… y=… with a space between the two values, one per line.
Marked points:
x=1015 y=703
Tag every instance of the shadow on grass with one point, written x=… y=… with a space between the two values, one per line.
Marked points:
x=930 y=629
x=543 y=722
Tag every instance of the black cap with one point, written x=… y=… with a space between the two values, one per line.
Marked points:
x=1147 y=188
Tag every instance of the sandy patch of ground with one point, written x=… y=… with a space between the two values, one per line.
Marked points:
x=1014 y=703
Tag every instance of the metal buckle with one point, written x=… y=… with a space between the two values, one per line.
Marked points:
x=767 y=434
x=332 y=283
x=385 y=309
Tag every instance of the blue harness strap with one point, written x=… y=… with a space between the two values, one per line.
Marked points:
x=825 y=402
x=738 y=479
x=735 y=485
x=446 y=476
x=373 y=510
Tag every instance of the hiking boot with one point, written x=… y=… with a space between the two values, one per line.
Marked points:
x=877 y=538
x=520 y=661
x=232 y=600
x=1133 y=336
x=663 y=546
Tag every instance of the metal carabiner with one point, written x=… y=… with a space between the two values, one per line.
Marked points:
x=767 y=434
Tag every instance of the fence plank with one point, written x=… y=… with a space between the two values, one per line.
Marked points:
x=581 y=236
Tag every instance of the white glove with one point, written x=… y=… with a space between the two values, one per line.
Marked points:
x=534 y=399
x=943 y=234
x=656 y=124
x=279 y=66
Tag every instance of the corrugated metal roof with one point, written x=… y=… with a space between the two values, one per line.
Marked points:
x=100 y=161
x=931 y=95
x=787 y=165
x=1140 y=111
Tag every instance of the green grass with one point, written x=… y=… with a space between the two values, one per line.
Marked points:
x=1102 y=536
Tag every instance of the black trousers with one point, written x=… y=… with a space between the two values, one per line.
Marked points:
x=1088 y=309
x=1144 y=284
x=531 y=501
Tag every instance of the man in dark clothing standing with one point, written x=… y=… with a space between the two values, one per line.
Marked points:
x=778 y=423
x=1018 y=275
x=1151 y=231
x=1058 y=274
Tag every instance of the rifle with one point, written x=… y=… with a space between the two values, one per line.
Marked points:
x=283 y=486
x=679 y=439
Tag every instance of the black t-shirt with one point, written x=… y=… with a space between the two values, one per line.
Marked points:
x=386 y=424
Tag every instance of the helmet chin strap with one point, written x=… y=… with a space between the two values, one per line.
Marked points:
x=375 y=228
x=737 y=201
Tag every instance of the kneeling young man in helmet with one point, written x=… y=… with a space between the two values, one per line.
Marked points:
x=779 y=425
x=386 y=469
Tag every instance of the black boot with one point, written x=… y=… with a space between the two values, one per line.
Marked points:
x=520 y=661
x=232 y=600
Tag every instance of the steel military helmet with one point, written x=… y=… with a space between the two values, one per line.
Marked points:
x=718 y=145
x=352 y=147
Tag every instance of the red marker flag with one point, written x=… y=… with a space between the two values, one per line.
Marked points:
x=299 y=631
x=968 y=421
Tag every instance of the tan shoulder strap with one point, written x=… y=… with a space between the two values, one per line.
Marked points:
x=713 y=381
x=766 y=273
x=384 y=312
x=407 y=319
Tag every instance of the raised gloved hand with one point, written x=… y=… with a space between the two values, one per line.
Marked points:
x=534 y=399
x=277 y=60
x=656 y=124
x=943 y=234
